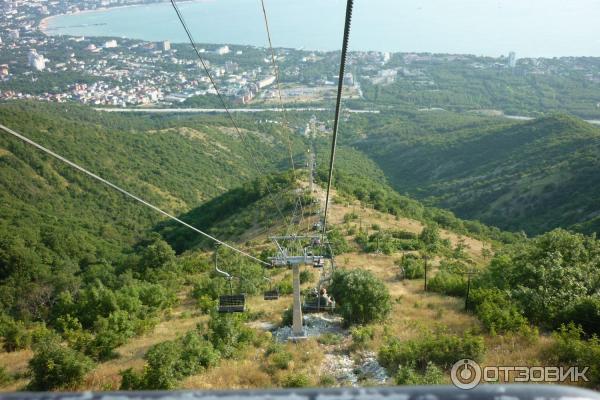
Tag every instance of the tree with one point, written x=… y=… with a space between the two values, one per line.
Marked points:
x=54 y=366
x=430 y=235
x=360 y=296
x=157 y=254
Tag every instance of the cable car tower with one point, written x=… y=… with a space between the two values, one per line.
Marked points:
x=294 y=251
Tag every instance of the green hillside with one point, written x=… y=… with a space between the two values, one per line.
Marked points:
x=532 y=176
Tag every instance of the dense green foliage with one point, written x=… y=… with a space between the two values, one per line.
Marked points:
x=360 y=178
x=169 y=362
x=360 y=296
x=552 y=279
x=440 y=348
x=411 y=267
x=532 y=176
x=408 y=375
x=54 y=366
x=571 y=349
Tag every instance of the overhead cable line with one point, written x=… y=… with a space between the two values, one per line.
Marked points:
x=222 y=100
x=338 y=105
x=286 y=123
x=126 y=193
x=276 y=69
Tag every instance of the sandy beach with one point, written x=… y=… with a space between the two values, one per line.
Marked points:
x=44 y=24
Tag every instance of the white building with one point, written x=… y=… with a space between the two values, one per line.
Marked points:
x=4 y=70
x=166 y=45
x=386 y=56
x=223 y=50
x=348 y=79
x=13 y=34
x=111 y=44
x=512 y=59
x=266 y=82
x=36 y=61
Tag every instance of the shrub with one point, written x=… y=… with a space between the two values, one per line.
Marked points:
x=361 y=336
x=56 y=367
x=197 y=354
x=352 y=216
x=227 y=333
x=338 y=242
x=206 y=304
x=111 y=332
x=496 y=311
x=280 y=359
x=360 y=296
x=131 y=380
x=169 y=362
x=430 y=235
x=161 y=371
x=571 y=349
x=409 y=245
x=406 y=235
x=16 y=336
x=440 y=348
x=585 y=312
x=285 y=287
x=306 y=276
x=327 y=381
x=409 y=375
x=414 y=268
x=287 y=318
x=329 y=339
x=297 y=380
x=5 y=377
x=448 y=283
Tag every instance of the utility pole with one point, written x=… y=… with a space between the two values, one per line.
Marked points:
x=425 y=257
x=469 y=274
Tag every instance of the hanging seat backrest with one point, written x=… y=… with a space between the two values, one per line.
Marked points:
x=312 y=305
x=271 y=295
x=232 y=303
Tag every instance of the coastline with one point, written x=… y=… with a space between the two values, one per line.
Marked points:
x=44 y=23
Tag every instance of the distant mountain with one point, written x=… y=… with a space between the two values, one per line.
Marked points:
x=531 y=176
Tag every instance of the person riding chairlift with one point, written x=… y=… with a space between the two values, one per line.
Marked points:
x=325 y=299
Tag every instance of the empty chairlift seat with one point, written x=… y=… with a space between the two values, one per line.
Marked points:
x=234 y=303
x=271 y=295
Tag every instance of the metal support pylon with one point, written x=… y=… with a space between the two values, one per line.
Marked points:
x=297 y=328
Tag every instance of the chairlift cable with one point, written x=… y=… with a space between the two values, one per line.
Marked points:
x=277 y=81
x=281 y=105
x=125 y=192
x=338 y=105
x=222 y=100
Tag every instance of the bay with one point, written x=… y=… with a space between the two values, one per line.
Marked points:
x=531 y=28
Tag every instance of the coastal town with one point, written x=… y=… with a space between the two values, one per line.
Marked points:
x=118 y=72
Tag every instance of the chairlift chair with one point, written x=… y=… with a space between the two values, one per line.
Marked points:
x=229 y=303
x=313 y=307
x=271 y=295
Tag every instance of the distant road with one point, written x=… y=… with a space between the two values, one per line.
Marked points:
x=220 y=110
x=523 y=118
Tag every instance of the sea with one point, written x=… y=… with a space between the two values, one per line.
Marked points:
x=530 y=28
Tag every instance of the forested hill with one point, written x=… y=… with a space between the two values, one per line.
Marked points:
x=176 y=163
x=531 y=176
